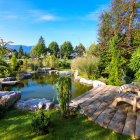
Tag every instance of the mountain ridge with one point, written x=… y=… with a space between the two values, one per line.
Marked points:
x=26 y=49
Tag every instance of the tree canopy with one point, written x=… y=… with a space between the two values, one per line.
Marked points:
x=93 y=49
x=40 y=48
x=53 y=48
x=122 y=19
x=66 y=48
x=80 y=49
x=20 y=52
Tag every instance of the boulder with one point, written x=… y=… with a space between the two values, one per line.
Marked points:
x=9 y=98
x=64 y=73
x=97 y=83
x=8 y=79
x=12 y=83
x=43 y=70
x=25 y=75
x=85 y=81
x=34 y=104
x=52 y=71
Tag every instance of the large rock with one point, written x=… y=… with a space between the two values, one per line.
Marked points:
x=97 y=83
x=64 y=73
x=34 y=104
x=52 y=71
x=8 y=79
x=43 y=70
x=85 y=81
x=9 y=98
x=25 y=75
x=11 y=83
x=76 y=77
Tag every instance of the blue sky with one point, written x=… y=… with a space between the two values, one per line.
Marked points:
x=24 y=21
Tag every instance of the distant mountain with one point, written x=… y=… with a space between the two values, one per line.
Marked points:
x=26 y=49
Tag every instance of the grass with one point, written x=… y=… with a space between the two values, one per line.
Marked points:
x=64 y=69
x=68 y=60
x=16 y=125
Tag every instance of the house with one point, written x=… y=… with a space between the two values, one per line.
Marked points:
x=9 y=52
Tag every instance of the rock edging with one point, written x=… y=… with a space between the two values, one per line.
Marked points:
x=9 y=98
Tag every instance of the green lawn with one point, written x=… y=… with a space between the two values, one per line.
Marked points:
x=16 y=126
x=64 y=69
x=68 y=60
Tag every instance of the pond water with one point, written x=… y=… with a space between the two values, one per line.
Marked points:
x=44 y=86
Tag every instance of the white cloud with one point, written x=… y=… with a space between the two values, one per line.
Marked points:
x=8 y=15
x=41 y=15
x=48 y=17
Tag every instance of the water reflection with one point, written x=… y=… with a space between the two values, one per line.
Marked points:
x=44 y=86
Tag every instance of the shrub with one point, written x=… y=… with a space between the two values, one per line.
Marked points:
x=13 y=62
x=20 y=62
x=127 y=79
x=40 y=123
x=64 y=61
x=104 y=80
x=34 y=67
x=86 y=66
x=3 y=63
x=64 y=90
x=4 y=71
x=51 y=62
x=135 y=63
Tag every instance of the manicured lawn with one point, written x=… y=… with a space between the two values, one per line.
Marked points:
x=16 y=126
x=64 y=69
x=68 y=60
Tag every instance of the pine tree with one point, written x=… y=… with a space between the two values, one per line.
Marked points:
x=40 y=48
x=114 y=69
x=20 y=52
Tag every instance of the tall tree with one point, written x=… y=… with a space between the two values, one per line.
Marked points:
x=114 y=69
x=32 y=53
x=40 y=48
x=80 y=49
x=20 y=52
x=53 y=48
x=66 y=48
x=122 y=19
x=41 y=39
x=93 y=49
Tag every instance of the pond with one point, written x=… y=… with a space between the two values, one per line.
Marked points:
x=44 y=86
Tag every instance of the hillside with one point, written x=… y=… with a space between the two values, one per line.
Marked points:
x=16 y=47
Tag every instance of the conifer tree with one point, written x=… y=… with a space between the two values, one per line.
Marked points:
x=20 y=52
x=64 y=90
x=40 y=48
x=114 y=69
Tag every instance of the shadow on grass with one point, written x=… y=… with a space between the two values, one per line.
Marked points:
x=17 y=125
